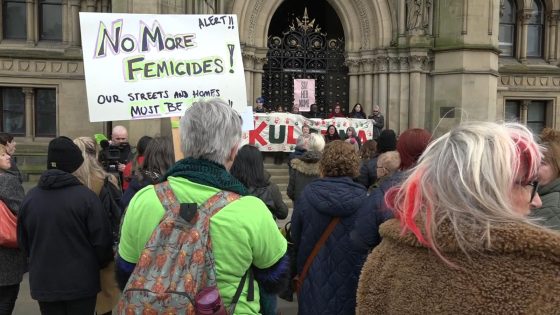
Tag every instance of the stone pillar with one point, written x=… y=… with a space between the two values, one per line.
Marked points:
x=416 y=109
x=74 y=13
x=383 y=67
x=404 y=100
x=524 y=110
x=90 y=5
x=257 y=77
x=31 y=26
x=552 y=37
x=523 y=17
x=248 y=65
x=65 y=23
x=29 y=113
x=104 y=5
x=353 y=68
x=367 y=104
x=361 y=87
x=392 y=113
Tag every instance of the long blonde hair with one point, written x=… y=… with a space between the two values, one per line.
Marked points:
x=91 y=168
x=465 y=178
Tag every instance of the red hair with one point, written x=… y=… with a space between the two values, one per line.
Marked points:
x=411 y=145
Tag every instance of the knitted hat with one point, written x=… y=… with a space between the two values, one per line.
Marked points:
x=64 y=155
x=260 y=99
x=387 y=141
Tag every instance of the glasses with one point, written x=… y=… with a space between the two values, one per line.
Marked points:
x=535 y=185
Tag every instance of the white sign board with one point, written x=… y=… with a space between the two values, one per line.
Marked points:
x=140 y=66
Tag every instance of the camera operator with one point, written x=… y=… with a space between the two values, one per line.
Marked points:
x=116 y=153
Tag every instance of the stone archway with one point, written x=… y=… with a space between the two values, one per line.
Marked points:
x=368 y=31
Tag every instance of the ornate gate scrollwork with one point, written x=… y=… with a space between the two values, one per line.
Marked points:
x=303 y=51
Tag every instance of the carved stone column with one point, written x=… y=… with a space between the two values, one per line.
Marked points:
x=383 y=66
x=367 y=104
x=65 y=23
x=248 y=65
x=361 y=86
x=104 y=5
x=524 y=110
x=404 y=99
x=552 y=37
x=417 y=104
x=523 y=16
x=75 y=18
x=29 y=113
x=392 y=113
x=90 y=5
x=31 y=33
x=353 y=68
x=257 y=76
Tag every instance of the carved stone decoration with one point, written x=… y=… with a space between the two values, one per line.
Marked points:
x=517 y=80
x=556 y=81
x=56 y=66
x=553 y=17
x=544 y=81
x=364 y=23
x=257 y=8
x=418 y=14
x=368 y=64
x=353 y=65
x=417 y=63
x=505 y=80
x=72 y=67
x=394 y=64
x=382 y=63
x=40 y=66
x=524 y=16
x=502 y=7
x=403 y=63
x=23 y=65
x=7 y=64
x=531 y=81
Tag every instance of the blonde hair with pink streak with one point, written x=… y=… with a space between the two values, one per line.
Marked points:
x=465 y=179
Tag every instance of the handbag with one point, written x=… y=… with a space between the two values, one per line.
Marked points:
x=298 y=280
x=8 y=222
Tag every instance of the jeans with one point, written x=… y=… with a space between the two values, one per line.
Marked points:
x=8 y=296
x=85 y=306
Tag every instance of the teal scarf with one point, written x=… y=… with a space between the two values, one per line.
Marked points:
x=206 y=173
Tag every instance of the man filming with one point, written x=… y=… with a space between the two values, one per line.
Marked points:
x=117 y=152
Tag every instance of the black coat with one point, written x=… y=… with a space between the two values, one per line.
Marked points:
x=65 y=232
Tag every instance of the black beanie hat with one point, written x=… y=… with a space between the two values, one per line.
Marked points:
x=64 y=155
x=387 y=141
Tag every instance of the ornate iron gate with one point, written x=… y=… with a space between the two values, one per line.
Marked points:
x=304 y=52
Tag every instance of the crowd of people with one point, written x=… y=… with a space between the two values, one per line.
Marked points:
x=464 y=223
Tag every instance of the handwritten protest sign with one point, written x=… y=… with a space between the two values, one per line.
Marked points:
x=279 y=131
x=142 y=66
x=304 y=94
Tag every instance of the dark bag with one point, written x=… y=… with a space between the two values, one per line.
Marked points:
x=110 y=196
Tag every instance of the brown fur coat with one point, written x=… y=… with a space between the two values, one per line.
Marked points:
x=518 y=274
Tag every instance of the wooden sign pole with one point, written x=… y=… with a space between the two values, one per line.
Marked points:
x=176 y=138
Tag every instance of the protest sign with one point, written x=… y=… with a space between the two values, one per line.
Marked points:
x=140 y=66
x=304 y=94
x=279 y=131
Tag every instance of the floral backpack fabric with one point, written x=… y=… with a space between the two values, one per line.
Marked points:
x=177 y=262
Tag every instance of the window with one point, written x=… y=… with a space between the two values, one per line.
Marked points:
x=507 y=29
x=531 y=113
x=13 y=111
x=535 y=28
x=13 y=114
x=50 y=24
x=45 y=112
x=14 y=19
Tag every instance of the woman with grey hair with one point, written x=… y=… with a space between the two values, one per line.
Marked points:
x=243 y=233
x=461 y=242
x=305 y=168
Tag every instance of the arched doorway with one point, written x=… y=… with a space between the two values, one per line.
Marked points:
x=305 y=40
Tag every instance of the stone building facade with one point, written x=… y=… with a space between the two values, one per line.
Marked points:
x=426 y=63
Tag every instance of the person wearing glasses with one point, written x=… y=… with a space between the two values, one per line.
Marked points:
x=378 y=121
x=549 y=179
x=461 y=241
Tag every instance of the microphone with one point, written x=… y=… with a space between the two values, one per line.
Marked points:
x=104 y=144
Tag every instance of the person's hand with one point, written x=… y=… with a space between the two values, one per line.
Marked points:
x=121 y=167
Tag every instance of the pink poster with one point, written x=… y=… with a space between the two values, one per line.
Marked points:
x=304 y=94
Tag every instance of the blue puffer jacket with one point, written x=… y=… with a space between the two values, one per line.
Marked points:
x=332 y=280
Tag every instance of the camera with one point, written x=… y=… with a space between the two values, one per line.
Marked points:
x=113 y=155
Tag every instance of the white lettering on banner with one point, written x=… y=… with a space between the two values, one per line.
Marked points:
x=279 y=131
x=141 y=66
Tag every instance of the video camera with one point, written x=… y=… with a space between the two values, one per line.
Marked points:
x=111 y=155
